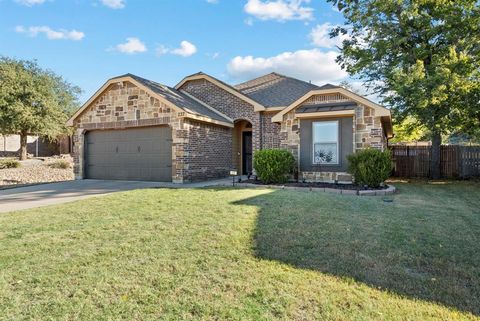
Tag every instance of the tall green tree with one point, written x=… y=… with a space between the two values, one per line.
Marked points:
x=33 y=101
x=409 y=131
x=421 y=56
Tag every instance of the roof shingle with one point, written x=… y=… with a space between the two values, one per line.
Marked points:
x=179 y=99
x=274 y=90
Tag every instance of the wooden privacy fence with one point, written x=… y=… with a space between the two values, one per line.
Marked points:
x=455 y=161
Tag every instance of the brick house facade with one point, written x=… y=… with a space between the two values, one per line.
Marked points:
x=211 y=127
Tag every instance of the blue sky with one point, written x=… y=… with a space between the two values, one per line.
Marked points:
x=90 y=41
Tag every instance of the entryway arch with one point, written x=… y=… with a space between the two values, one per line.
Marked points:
x=242 y=147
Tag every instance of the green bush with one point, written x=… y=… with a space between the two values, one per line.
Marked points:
x=370 y=166
x=9 y=163
x=273 y=165
x=61 y=163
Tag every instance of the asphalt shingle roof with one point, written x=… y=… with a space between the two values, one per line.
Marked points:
x=178 y=98
x=273 y=90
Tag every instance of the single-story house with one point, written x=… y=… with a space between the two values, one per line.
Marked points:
x=137 y=129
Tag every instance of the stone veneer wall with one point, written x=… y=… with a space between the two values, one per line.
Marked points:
x=367 y=131
x=124 y=106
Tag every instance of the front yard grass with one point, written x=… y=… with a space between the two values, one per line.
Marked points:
x=246 y=254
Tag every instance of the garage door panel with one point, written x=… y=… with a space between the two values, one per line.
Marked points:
x=95 y=148
x=130 y=154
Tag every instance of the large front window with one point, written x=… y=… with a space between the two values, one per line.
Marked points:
x=325 y=142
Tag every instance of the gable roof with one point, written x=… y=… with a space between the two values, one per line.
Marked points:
x=276 y=90
x=232 y=90
x=180 y=100
x=380 y=110
x=384 y=113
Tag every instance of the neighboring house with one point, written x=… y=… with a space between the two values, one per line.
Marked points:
x=134 y=128
x=36 y=146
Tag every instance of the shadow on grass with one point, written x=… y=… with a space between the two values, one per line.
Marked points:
x=417 y=247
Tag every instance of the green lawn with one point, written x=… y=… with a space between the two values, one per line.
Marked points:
x=246 y=254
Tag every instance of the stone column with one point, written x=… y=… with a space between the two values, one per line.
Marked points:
x=78 y=152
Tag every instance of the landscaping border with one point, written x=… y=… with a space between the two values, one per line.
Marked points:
x=390 y=190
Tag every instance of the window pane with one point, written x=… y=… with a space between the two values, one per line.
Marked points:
x=325 y=131
x=325 y=153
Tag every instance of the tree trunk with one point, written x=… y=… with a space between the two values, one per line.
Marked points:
x=23 y=145
x=435 y=156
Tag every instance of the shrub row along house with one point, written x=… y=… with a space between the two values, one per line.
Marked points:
x=137 y=129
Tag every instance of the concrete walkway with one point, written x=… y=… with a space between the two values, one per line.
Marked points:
x=56 y=193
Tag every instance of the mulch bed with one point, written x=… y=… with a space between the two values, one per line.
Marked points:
x=317 y=185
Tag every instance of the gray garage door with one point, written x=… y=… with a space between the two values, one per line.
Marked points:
x=130 y=154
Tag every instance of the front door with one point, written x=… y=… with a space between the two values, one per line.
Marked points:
x=246 y=153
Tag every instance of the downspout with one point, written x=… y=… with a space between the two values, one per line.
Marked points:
x=299 y=169
x=260 y=114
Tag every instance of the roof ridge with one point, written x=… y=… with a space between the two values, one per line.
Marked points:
x=140 y=78
x=259 y=77
x=244 y=85
x=304 y=81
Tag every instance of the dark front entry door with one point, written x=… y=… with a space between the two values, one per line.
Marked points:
x=246 y=153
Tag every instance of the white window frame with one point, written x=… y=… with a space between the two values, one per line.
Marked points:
x=326 y=142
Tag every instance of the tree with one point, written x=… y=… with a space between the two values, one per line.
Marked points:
x=421 y=56
x=33 y=101
x=409 y=130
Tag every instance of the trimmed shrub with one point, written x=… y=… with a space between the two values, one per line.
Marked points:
x=273 y=165
x=62 y=164
x=370 y=166
x=9 y=163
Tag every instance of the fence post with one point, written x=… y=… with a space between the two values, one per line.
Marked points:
x=459 y=161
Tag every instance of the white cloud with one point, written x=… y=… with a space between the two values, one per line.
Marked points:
x=280 y=10
x=132 y=46
x=212 y=1
x=320 y=36
x=114 y=4
x=315 y=65
x=186 y=49
x=29 y=3
x=51 y=34
x=249 y=21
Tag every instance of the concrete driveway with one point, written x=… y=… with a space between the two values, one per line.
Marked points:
x=55 y=193
x=20 y=198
